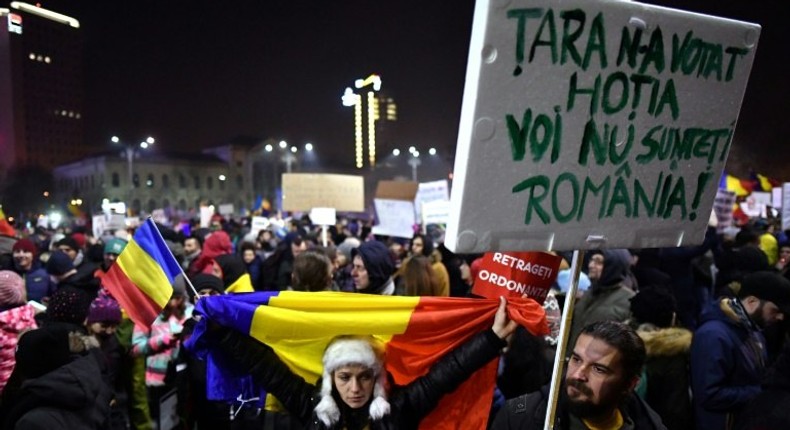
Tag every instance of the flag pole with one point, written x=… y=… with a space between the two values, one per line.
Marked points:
x=186 y=278
x=565 y=326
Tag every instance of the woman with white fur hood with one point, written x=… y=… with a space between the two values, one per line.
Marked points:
x=354 y=392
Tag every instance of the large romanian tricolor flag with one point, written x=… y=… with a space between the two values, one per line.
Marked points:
x=142 y=277
x=417 y=332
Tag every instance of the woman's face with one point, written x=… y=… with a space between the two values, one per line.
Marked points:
x=354 y=383
x=248 y=256
x=417 y=246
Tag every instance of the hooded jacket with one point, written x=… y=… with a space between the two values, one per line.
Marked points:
x=666 y=368
x=379 y=265
x=13 y=322
x=234 y=274
x=408 y=404
x=607 y=298
x=727 y=363
x=72 y=395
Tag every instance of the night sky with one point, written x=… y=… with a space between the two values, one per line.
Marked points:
x=195 y=74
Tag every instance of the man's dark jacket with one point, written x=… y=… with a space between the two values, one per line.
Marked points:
x=528 y=412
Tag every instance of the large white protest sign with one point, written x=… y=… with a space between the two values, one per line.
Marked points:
x=590 y=124
x=304 y=191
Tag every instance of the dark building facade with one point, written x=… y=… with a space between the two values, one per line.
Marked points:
x=41 y=88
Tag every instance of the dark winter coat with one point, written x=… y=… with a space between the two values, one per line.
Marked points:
x=727 y=364
x=528 y=412
x=771 y=408
x=409 y=404
x=71 y=397
x=667 y=375
x=37 y=283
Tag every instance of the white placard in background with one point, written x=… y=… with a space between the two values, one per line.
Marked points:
x=226 y=209
x=206 y=212
x=323 y=216
x=776 y=197
x=396 y=218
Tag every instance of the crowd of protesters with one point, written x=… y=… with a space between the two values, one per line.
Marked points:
x=675 y=338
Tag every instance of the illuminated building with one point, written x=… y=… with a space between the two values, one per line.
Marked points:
x=368 y=106
x=41 y=88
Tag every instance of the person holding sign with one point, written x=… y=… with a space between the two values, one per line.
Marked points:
x=602 y=372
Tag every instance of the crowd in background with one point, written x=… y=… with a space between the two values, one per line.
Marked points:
x=712 y=318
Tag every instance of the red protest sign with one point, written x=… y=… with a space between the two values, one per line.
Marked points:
x=516 y=274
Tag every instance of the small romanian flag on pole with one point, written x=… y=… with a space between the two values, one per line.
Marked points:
x=142 y=277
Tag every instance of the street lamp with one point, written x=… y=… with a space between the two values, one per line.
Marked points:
x=414 y=162
x=130 y=151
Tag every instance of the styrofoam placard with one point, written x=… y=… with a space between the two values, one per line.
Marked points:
x=594 y=124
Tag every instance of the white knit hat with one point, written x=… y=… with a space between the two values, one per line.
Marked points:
x=344 y=351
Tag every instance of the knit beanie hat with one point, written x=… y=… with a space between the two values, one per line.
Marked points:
x=768 y=286
x=41 y=351
x=12 y=289
x=347 y=246
x=104 y=309
x=80 y=240
x=203 y=281
x=59 y=263
x=179 y=286
x=344 y=351
x=25 y=245
x=70 y=305
x=114 y=246
x=69 y=242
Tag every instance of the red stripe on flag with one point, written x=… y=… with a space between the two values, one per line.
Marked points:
x=141 y=309
x=433 y=331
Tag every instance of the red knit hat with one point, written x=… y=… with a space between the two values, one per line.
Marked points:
x=26 y=245
x=80 y=239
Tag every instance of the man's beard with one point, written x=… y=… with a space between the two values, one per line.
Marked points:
x=583 y=408
x=757 y=316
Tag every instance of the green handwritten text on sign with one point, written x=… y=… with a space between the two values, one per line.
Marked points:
x=601 y=119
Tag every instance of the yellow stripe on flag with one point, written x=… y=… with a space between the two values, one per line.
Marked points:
x=298 y=326
x=145 y=273
x=734 y=185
